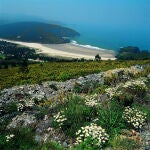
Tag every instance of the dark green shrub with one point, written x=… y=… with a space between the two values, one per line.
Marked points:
x=2 y=140
x=110 y=80
x=125 y=99
x=42 y=112
x=101 y=89
x=10 y=107
x=53 y=86
x=23 y=139
x=110 y=117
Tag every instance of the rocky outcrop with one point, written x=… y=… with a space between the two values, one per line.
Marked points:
x=46 y=90
x=24 y=120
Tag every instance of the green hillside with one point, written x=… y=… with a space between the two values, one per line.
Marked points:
x=58 y=71
x=37 y=32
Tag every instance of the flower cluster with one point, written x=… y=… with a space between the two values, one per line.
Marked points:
x=136 y=87
x=91 y=100
x=134 y=117
x=111 y=91
x=59 y=118
x=20 y=107
x=25 y=103
x=114 y=91
x=94 y=132
x=135 y=83
x=9 y=137
x=29 y=102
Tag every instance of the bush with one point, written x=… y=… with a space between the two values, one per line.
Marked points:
x=100 y=89
x=75 y=114
x=59 y=119
x=110 y=117
x=125 y=99
x=22 y=138
x=92 y=100
x=134 y=117
x=92 y=135
x=136 y=87
x=143 y=108
x=10 y=108
x=42 y=112
x=53 y=86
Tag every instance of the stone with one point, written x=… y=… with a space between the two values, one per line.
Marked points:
x=24 y=120
x=65 y=144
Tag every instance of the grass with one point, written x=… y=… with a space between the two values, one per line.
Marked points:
x=110 y=117
x=58 y=71
x=77 y=114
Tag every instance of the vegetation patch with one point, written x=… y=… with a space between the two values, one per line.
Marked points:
x=93 y=115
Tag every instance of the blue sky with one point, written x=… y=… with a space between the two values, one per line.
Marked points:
x=104 y=12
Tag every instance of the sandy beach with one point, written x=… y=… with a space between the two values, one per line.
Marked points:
x=67 y=50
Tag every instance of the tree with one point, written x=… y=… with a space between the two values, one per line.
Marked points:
x=97 y=57
x=24 y=66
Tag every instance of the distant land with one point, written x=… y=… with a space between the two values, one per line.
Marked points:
x=37 y=32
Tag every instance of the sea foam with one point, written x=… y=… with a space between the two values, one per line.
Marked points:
x=87 y=46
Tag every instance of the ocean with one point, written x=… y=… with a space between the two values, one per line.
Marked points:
x=112 y=38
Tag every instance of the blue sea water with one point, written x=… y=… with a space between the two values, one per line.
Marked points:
x=113 y=37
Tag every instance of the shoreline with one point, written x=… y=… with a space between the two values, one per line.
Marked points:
x=67 y=50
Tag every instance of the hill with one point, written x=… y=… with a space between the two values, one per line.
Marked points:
x=37 y=32
x=132 y=53
x=105 y=110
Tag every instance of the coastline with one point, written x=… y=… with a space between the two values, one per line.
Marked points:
x=68 y=50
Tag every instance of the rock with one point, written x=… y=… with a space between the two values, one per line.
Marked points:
x=24 y=120
x=44 y=90
x=147 y=147
x=145 y=135
x=65 y=144
x=38 y=138
x=103 y=97
x=43 y=126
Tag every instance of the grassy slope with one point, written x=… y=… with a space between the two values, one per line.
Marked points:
x=58 y=71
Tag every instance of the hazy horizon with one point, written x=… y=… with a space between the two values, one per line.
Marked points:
x=99 y=12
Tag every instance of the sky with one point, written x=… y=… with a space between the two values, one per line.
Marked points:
x=105 y=12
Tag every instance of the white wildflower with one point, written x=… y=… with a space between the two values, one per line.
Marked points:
x=93 y=131
x=134 y=117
